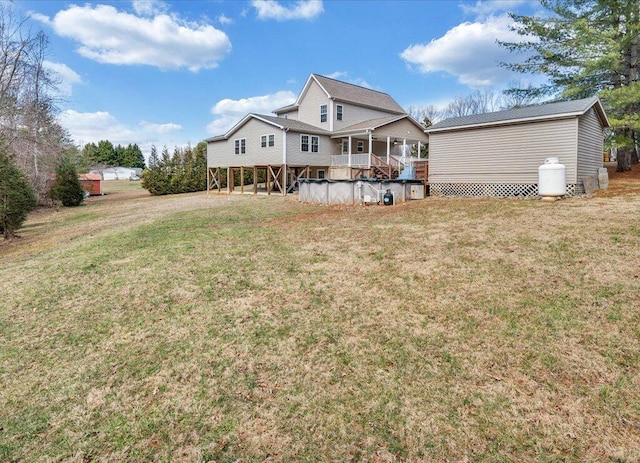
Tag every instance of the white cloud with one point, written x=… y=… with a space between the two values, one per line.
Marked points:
x=225 y=20
x=93 y=127
x=301 y=9
x=229 y=112
x=468 y=51
x=160 y=128
x=149 y=7
x=484 y=8
x=66 y=76
x=108 y=35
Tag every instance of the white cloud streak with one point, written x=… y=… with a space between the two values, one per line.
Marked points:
x=229 y=112
x=302 y=9
x=65 y=76
x=110 y=36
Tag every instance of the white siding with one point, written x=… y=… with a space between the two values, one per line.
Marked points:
x=309 y=109
x=222 y=153
x=506 y=154
x=299 y=158
x=352 y=114
x=590 y=144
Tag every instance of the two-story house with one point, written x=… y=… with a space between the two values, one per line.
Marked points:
x=333 y=130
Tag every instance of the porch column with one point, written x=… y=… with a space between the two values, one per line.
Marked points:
x=388 y=149
x=418 y=149
x=284 y=162
x=370 y=148
x=349 y=161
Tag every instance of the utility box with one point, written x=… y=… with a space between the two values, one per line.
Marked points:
x=417 y=192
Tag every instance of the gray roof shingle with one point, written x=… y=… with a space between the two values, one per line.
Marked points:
x=351 y=93
x=543 y=111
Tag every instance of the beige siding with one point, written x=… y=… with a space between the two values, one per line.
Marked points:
x=590 y=144
x=222 y=153
x=507 y=154
x=321 y=158
x=401 y=130
x=352 y=114
x=309 y=109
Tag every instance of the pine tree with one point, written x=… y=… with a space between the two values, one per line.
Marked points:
x=586 y=47
x=67 y=188
x=17 y=198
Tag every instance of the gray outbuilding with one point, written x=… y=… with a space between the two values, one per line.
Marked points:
x=498 y=153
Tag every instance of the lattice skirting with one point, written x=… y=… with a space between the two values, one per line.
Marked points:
x=495 y=190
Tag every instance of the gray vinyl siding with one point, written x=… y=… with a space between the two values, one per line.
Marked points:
x=590 y=145
x=222 y=153
x=353 y=114
x=309 y=109
x=503 y=154
x=300 y=158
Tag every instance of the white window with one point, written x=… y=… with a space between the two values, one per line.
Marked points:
x=304 y=142
x=315 y=141
x=339 y=112
x=240 y=145
x=309 y=143
x=360 y=146
x=267 y=140
x=345 y=147
x=323 y=113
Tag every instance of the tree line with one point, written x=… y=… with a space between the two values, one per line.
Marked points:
x=34 y=148
x=183 y=171
x=105 y=154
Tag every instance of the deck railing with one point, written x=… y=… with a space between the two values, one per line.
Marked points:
x=357 y=160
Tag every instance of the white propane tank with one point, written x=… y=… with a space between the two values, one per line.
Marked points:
x=552 y=178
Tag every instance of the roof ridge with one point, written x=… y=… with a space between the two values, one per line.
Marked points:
x=349 y=83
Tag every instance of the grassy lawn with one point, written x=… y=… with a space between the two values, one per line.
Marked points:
x=237 y=328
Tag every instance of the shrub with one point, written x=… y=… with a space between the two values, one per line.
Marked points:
x=67 y=188
x=17 y=198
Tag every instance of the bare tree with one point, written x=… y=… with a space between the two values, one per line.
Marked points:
x=27 y=106
x=426 y=115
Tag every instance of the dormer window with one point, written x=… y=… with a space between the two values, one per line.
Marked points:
x=339 y=112
x=323 y=113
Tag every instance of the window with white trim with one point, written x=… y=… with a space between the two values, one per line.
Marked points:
x=339 y=112
x=309 y=143
x=267 y=140
x=360 y=146
x=321 y=173
x=323 y=113
x=345 y=147
x=240 y=145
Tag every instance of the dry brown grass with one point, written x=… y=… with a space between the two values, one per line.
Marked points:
x=216 y=328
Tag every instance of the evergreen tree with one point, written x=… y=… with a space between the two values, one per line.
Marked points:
x=586 y=47
x=67 y=188
x=17 y=197
x=105 y=153
x=183 y=172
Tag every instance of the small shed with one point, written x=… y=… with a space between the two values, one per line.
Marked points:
x=91 y=183
x=498 y=153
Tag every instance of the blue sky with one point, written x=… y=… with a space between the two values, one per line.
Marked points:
x=173 y=72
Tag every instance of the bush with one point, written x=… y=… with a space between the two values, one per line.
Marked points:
x=17 y=198
x=67 y=188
